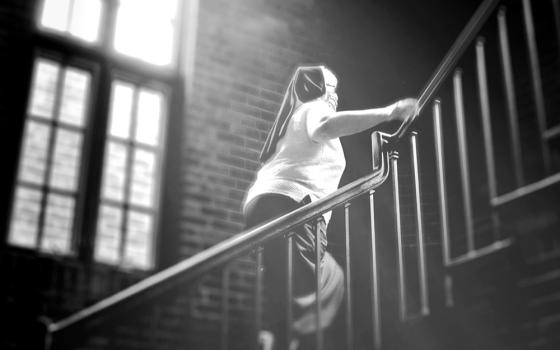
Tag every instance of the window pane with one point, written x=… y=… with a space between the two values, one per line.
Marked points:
x=34 y=154
x=115 y=170
x=149 y=117
x=145 y=29
x=85 y=19
x=107 y=242
x=80 y=18
x=59 y=217
x=74 y=97
x=25 y=217
x=121 y=109
x=44 y=89
x=55 y=14
x=138 y=246
x=66 y=160
x=143 y=178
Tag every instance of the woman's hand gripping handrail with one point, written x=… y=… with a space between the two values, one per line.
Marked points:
x=233 y=247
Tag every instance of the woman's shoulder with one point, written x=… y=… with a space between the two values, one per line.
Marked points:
x=317 y=103
x=315 y=106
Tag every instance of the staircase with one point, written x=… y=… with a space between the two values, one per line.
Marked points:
x=462 y=250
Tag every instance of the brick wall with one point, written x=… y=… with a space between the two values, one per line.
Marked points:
x=245 y=54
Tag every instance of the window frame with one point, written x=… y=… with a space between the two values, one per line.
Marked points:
x=105 y=65
x=64 y=61
x=105 y=41
x=161 y=150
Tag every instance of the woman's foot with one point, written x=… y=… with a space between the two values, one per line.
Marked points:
x=266 y=341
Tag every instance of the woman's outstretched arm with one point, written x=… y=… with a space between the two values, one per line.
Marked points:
x=324 y=126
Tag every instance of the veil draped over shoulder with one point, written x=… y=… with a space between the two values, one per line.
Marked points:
x=307 y=84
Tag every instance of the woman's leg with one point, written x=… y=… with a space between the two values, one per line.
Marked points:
x=260 y=210
x=267 y=207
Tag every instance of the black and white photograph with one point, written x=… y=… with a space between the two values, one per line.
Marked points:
x=280 y=174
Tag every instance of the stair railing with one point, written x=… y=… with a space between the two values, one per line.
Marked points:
x=385 y=162
x=229 y=249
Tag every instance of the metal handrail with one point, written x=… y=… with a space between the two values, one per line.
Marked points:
x=230 y=248
x=462 y=42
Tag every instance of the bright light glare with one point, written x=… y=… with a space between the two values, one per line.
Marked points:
x=121 y=109
x=145 y=30
x=55 y=14
x=80 y=18
x=84 y=22
x=148 y=117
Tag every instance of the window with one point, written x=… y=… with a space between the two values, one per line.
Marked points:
x=128 y=204
x=146 y=30
x=79 y=18
x=109 y=118
x=46 y=193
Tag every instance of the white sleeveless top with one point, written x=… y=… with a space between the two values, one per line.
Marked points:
x=301 y=166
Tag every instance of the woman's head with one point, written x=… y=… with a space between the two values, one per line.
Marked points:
x=313 y=82
x=308 y=83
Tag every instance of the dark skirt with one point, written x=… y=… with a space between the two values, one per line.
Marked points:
x=267 y=207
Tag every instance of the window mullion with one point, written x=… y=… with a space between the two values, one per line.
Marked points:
x=93 y=155
x=49 y=155
x=128 y=173
x=108 y=29
x=69 y=15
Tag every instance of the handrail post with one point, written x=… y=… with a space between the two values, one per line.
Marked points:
x=224 y=327
x=394 y=157
x=442 y=199
x=536 y=81
x=258 y=295
x=556 y=10
x=463 y=158
x=289 y=287
x=319 y=331
x=441 y=182
x=375 y=312
x=513 y=117
x=45 y=322
x=347 y=272
x=484 y=98
x=424 y=303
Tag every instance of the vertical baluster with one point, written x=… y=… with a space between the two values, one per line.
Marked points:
x=424 y=303
x=442 y=188
x=448 y=286
x=510 y=96
x=485 y=114
x=394 y=156
x=224 y=334
x=536 y=81
x=319 y=332
x=556 y=9
x=375 y=312
x=258 y=296
x=463 y=158
x=487 y=130
x=289 y=288
x=47 y=334
x=442 y=196
x=349 y=324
